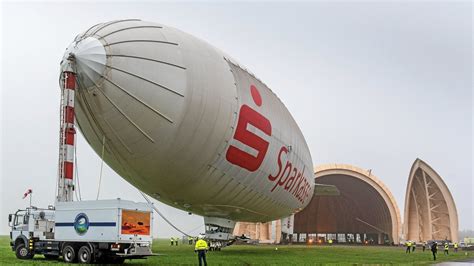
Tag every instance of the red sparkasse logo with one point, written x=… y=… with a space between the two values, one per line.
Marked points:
x=288 y=177
x=247 y=115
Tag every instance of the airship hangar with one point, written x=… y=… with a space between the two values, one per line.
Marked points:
x=366 y=212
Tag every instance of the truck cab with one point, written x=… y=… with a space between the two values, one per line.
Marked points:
x=30 y=225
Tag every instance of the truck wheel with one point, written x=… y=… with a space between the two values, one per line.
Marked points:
x=84 y=255
x=22 y=252
x=69 y=254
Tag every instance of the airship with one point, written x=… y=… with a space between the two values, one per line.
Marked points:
x=187 y=124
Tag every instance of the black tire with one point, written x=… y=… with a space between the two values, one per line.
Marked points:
x=50 y=257
x=69 y=254
x=23 y=253
x=84 y=255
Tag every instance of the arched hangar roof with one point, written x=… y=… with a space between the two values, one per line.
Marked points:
x=430 y=211
x=365 y=204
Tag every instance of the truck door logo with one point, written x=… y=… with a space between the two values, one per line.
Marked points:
x=81 y=224
x=248 y=116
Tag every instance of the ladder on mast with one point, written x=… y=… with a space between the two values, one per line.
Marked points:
x=67 y=133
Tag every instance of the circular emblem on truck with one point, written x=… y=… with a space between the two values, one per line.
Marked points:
x=81 y=223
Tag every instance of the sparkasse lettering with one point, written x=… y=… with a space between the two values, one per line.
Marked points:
x=289 y=178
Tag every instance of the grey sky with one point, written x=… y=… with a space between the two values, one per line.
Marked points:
x=371 y=84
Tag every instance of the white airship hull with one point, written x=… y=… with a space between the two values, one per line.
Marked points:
x=187 y=125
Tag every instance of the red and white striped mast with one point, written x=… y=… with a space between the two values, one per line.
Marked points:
x=67 y=133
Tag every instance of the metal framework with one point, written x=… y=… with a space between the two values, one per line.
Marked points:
x=430 y=212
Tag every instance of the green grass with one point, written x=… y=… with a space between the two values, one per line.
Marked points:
x=266 y=254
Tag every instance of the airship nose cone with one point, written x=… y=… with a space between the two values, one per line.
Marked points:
x=89 y=57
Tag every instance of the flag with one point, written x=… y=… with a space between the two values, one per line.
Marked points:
x=28 y=192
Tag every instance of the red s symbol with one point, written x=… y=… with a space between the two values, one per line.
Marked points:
x=247 y=116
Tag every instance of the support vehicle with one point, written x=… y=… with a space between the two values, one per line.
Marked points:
x=107 y=231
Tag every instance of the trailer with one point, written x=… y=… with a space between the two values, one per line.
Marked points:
x=102 y=231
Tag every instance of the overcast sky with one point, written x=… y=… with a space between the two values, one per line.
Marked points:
x=375 y=85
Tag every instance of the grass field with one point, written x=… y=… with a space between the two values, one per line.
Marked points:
x=265 y=254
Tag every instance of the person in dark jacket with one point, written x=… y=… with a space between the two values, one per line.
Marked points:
x=434 y=249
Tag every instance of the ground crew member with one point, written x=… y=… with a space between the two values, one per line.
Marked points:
x=176 y=240
x=201 y=249
x=424 y=246
x=455 y=247
x=413 y=246
x=190 y=240
x=434 y=249
x=172 y=240
x=408 y=247
x=330 y=241
x=446 y=248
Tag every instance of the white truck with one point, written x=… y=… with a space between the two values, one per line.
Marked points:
x=102 y=231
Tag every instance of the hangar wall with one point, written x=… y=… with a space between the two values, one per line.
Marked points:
x=269 y=232
x=430 y=211
x=365 y=206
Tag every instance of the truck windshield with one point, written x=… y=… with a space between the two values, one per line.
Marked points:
x=19 y=218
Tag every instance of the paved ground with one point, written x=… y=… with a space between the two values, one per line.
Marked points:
x=464 y=263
